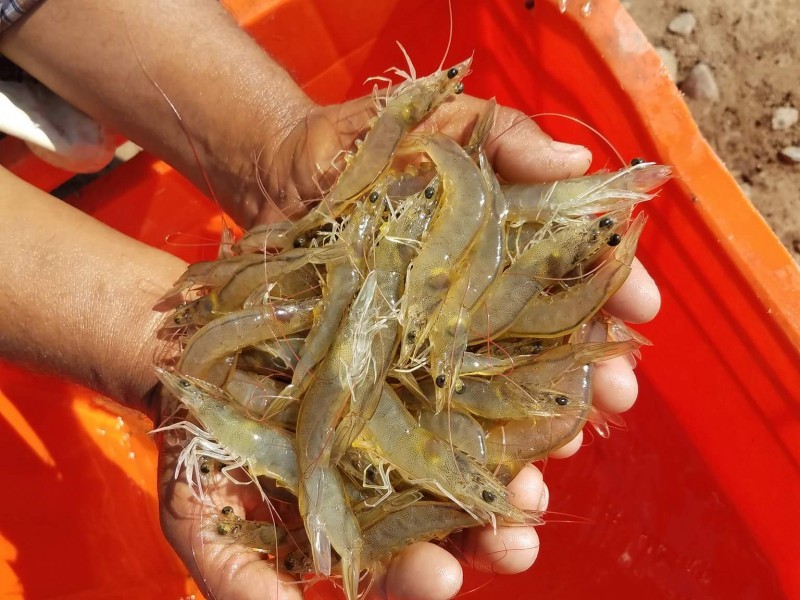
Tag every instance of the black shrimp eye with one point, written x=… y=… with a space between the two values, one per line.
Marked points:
x=299 y=242
x=205 y=469
x=614 y=240
x=290 y=563
x=488 y=496
x=562 y=400
x=184 y=384
x=452 y=73
x=637 y=161
x=429 y=192
x=459 y=88
x=373 y=197
x=411 y=336
x=606 y=222
x=227 y=511
x=441 y=380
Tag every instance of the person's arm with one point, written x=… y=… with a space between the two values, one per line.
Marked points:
x=77 y=296
x=104 y=57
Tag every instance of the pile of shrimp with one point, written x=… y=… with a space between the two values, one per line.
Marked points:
x=395 y=357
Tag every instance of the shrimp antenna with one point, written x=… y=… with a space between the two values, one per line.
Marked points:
x=449 y=35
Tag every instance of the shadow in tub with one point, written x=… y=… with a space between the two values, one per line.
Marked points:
x=78 y=511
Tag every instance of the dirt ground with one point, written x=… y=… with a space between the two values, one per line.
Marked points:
x=753 y=51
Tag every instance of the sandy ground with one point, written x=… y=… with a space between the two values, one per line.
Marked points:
x=753 y=50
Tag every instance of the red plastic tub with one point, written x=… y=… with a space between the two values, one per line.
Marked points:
x=696 y=499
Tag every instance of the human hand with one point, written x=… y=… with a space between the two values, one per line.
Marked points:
x=519 y=152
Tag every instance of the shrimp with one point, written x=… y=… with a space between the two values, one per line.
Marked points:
x=483 y=364
x=323 y=500
x=462 y=212
x=226 y=335
x=584 y=196
x=257 y=536
x=450 y=331
x=211 y=273
x=393 y=253
x=431 y=463
x=261 y=448
x=405 y=108
x=235 y=292
x=563 y=312
x=536 y=269
x=457 y=427
x=343 y=280
x=532 y=390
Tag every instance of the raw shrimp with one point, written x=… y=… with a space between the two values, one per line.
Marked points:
x=211 y=273
x=433 y=464
x=235 y=292
x=584 y=196
x=563 y=312
x=256 y=536
x=462 y=212
x=483 y=364
x=406 y=107
x=226 y=335
x=344 y=278
x=261 y=448
x=458 y=428
x=537 y=268
x=393 y=254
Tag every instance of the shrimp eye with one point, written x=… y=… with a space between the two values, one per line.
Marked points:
x=411 y=336
x=429 y=192
x=290 y=563
x=227 y=511
x=371 y=474
x=373 y=197
x=223 y=529
x=562 y=400
x=459 y=88
x=606 y=222
x=441 y=380
x=184 y=384
x=614 y=240
x=636 y=161
x=488 y=496
x=205 y=468
x=452 y=73
x=299 y=242
x=536 y=347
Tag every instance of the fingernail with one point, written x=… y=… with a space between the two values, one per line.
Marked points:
x=574 y=149
x=545 y=499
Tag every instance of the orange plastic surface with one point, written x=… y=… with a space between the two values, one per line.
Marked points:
x=697 y=499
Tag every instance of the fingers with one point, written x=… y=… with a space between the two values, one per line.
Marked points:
x=423 y=571
x=569 y=448
x=519 y=150
x=221 y=567
x=509 y=549
x=638 y=300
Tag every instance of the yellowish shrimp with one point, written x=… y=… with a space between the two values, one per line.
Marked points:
x=430 y=462
x=537 y=268
x=393 y=253
x=233 y=294
x=533 y=390
x=227 y=335
x=229 y=434
x=211 y=274
x=344 y=278
x=458 y=428
x=563 y=312
x=256 y=536
x=487 y=365
x=405 y=108
x=584 y=196
x=323 y=499
x=462 y=212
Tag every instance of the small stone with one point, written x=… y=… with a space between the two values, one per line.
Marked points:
x=670 y=61
x=790 y=155
x=784 y=117
x=701 y=84
x=683 y=24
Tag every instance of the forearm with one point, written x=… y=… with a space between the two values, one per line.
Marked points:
x=104 y=58
x=77 y=296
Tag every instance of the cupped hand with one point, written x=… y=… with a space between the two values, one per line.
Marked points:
x=294 y=174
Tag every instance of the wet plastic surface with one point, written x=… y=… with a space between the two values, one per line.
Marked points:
x=695 y=500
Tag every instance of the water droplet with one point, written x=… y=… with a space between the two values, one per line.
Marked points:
x=586 y=9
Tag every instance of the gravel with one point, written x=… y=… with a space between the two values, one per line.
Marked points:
x=784 y=117
x=683 y=24
x=701 y=83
